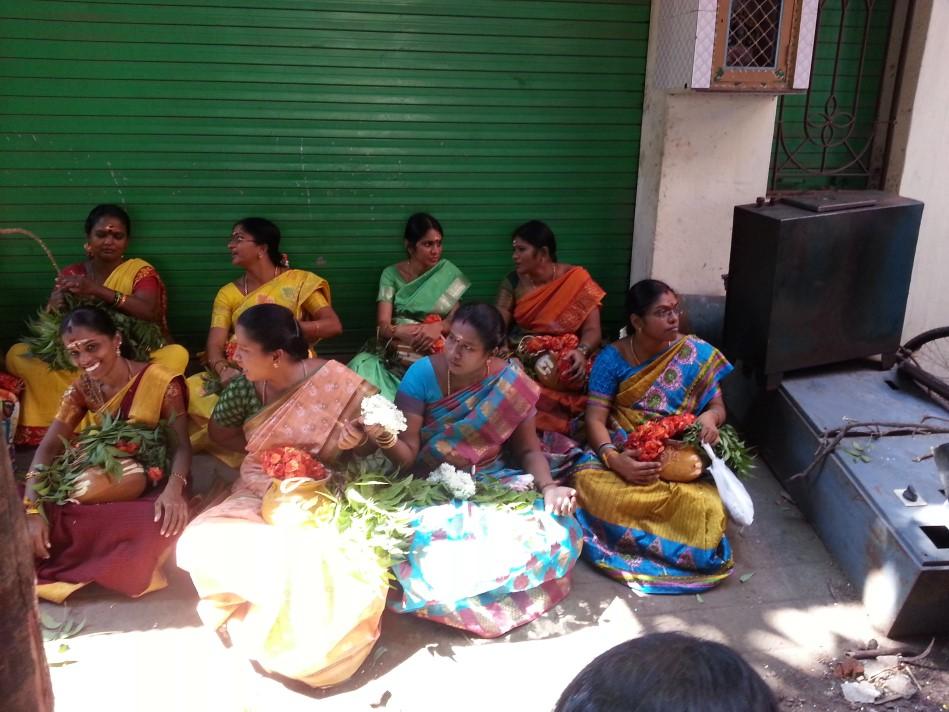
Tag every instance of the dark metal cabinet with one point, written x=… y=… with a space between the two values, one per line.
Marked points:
x=819 y=281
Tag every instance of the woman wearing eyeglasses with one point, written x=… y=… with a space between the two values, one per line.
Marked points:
x=267 y=279
x=654 y=535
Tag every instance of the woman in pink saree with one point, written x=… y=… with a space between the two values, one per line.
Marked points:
x=302 y=600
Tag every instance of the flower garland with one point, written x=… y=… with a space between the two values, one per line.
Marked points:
x=282 y=463
x=439 y=344
x=531 y=348
x=650 y=440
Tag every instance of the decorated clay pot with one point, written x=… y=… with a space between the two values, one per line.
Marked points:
x=681 y=462
x=95 y=486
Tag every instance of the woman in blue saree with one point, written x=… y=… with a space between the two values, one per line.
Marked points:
x=655 y=536
x=480 y=568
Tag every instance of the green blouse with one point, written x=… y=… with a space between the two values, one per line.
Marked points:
x=237 y=404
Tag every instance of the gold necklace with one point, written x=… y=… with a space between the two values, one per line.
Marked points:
x=276 y=271
x=448 y=372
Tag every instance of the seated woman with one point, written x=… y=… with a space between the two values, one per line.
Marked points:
x=131 y=287
x=656 y=536
x=120 y=545
x=255 y=247
x=476 y=567
x=415 y=301
x=543 y=297
x=300 y=600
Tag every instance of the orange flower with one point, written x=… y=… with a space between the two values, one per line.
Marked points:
x=283 y=462
x=127 y=446
x=155 y=474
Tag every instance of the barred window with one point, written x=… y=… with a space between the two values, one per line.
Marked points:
x=754 y=34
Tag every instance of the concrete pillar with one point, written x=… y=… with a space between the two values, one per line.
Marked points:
x=701 y=153
x=919 y=160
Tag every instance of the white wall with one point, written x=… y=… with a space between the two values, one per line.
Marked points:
x=919 y=165
x=700 y=155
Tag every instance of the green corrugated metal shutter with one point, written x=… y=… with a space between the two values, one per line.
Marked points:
x=335 y=119
x=824 y=139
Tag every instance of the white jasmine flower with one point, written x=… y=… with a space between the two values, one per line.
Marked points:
x=458 y=482
x=379 y=410
x=521 y=483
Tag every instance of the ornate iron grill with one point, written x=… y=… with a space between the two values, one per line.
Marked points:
x=835 y=135
x=754 y=31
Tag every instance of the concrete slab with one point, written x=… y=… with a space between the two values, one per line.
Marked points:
x=796 y=613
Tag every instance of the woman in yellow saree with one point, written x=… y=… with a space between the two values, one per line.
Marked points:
x=255 y=247
x=553 y=314
x=302 y=600
x=416 y=299
x=655 y=536
x=120 y=545
x=131 y=286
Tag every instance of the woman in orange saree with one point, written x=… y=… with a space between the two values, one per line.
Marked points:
x=120 y=545
x=131 y=286
x=553 y=314
x=303 y=600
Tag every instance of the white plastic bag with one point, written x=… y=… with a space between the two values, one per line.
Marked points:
x=733 y=493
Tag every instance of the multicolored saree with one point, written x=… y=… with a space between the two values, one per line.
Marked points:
x=117 y=545
x=667 y=537
x=473 y=567
x=299 y=291
x=437 y=291
x=553 y=309
x=45 y=387
x=303 y=601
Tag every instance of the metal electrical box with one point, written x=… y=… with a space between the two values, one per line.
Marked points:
x=819 y=278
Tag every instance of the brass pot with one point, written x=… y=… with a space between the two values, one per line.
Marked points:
x=681 y=462
x=95 y=486
x=297 y=501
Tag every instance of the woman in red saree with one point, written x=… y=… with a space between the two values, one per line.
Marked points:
x=121 y=545
x=553 y=314
x=130 y=286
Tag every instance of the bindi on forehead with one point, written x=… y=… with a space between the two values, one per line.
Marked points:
x=78 y=343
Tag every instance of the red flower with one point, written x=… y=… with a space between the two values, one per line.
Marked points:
x=127 y=446
x=155 y=474
x=230 y=350
x=284 y=462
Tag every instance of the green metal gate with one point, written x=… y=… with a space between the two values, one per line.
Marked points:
x=835 y=135
x=335 y=119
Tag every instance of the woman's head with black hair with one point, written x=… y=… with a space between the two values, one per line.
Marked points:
x=476 y=332
x=92 y=340
x=662 y=672
x=423 y=240
x=538 y=235
x=268 y=334
x=485 y=319
x=261 y=232
x=108 y=210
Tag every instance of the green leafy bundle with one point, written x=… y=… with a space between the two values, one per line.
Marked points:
x=141 y=337
x=730 y=447
x=382 y=505
x=103 y=445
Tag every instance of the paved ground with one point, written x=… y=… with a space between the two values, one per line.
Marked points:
x=790 y=620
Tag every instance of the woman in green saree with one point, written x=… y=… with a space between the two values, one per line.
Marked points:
x=416 y=299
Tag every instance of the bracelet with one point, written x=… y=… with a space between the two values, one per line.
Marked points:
x=30 y=506
x=387 y=441
x=552 y=483
x=215 y=363
x=32 y=475
x=599 y=449
x=122 y=300
x=184 y=480
x=584 y=349
x=365 y=439
x=606 y=458
x=116 y=297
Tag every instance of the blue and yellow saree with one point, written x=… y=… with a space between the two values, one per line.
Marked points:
x=667 y=537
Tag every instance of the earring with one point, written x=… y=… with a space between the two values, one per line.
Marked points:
x=275 y=364
x=88 y=250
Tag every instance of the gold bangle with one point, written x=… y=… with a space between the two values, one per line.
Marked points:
x=30 y=506
x=32 y=475
x=184 y=480
x=388 y=441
